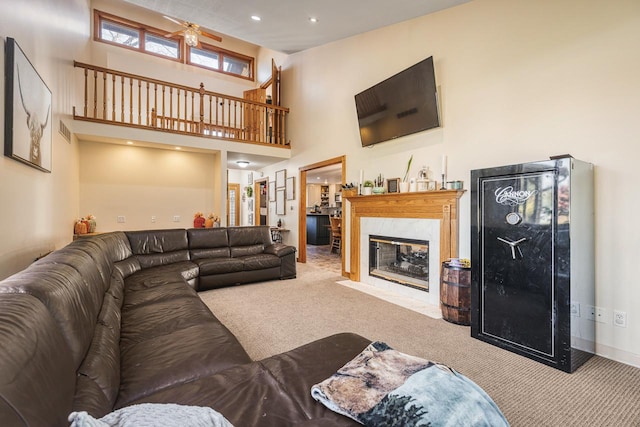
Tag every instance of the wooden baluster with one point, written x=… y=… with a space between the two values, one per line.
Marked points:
x=155 y=103
x=178 y=108
x=86 y=78
x=201 y=92
x=121 y=99
x=95 y=93
x=113 y=97
x=139 y=102
x=210 y=113
x=171 y=121
x=147 y=107
x=162 y=119
x=130 y=99
x=104 y=95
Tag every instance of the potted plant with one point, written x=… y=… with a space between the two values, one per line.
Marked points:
x=378 y=187
x=404 y=185
x=367 y=188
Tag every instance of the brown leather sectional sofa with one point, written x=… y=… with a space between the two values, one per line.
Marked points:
x=114 y=320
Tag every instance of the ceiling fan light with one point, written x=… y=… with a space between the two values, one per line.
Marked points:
x=191 y=37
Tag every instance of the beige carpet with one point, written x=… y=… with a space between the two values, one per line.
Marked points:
x=269 y=318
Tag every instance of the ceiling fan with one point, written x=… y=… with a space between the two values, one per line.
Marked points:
x=191 y=32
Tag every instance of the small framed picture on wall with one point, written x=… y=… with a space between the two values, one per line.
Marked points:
x=281 y=176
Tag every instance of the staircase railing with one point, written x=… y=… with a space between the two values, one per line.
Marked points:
x=125 y=99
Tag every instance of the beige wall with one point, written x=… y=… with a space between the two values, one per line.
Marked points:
x=38 y=208
x=139 y=183
x=519 y=81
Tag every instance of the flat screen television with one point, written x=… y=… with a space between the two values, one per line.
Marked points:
x=403 y=104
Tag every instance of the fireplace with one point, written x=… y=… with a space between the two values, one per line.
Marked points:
x=400 y=260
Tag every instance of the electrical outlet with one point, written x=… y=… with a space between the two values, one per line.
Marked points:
x=591 y=313
x=601 y=315
x=620 y=318
x=153 y=218
x=575 y=309
x=176 y=218
x=121 y=219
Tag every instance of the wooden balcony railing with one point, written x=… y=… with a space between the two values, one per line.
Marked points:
x=124 y=99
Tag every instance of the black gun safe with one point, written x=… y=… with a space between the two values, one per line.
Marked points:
x=532 y=260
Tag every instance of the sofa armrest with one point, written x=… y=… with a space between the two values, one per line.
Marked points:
x=279 y=249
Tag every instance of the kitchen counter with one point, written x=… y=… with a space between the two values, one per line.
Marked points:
x=318 y=229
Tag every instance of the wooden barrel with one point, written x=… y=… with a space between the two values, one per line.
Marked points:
x=455 y=294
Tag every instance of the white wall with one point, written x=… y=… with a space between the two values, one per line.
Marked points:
x=139 y=183
x=519 y=81
x=38 y=208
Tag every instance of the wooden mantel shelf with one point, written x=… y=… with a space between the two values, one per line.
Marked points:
x=441 y=205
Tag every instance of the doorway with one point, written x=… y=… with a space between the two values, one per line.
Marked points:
x=233 y=205
x=261 y=213
x=318 y=205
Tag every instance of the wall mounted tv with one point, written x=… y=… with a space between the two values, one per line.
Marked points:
x=403 y=104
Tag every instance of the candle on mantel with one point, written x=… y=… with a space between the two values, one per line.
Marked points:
x=361 y=176
x=443 y=169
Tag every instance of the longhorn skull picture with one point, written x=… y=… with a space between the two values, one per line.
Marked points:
x=28 y=108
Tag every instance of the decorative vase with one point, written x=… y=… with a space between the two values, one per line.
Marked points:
x=80 y=228
x=92 y=225
x=412 y=186
x=366 y=191
x=404 y=187
x=378 y=190
x=198 y=222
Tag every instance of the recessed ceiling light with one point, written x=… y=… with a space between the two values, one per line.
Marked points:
x=178 y=148
x=313 y=20
x=256 y=18
x=242 y=163
x=130 y=142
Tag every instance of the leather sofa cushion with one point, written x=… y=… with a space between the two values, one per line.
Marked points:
x=37 y=378
x=181 y=356
x=248 y=236
x=260 y=261
x=205 y=238
x=278 y=388
x=187 y=269
x=155 y=260
x=219 y=266
x=241 y=251
x=157 y=241
x=72 y=301
x=210 y=253
x=279 y=249
x=116 y=245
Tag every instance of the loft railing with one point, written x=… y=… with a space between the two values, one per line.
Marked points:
x=125 y=99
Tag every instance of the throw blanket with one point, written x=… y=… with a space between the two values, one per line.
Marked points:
x=153 y=415
x=383 y=387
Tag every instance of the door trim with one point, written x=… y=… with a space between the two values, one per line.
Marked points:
x=302 y=206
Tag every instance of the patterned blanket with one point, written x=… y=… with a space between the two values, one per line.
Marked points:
x=384 y=387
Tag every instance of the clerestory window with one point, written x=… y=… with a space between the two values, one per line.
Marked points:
x=135 y=36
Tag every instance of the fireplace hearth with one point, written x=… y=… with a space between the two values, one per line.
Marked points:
x=400 y=260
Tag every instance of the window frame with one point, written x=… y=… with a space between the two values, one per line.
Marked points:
x=142 y=30
x=184 y=51
x=222 y=54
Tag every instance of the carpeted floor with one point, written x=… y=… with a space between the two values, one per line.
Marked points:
x=272 y=317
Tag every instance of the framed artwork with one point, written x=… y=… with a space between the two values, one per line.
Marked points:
x=250 y=204
x=281 y=176
x=393 y=185
x=250 y=178
x=280 y=203
x=291 y=188
x=272 y=191
x=27 y=121
x=251 y=219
